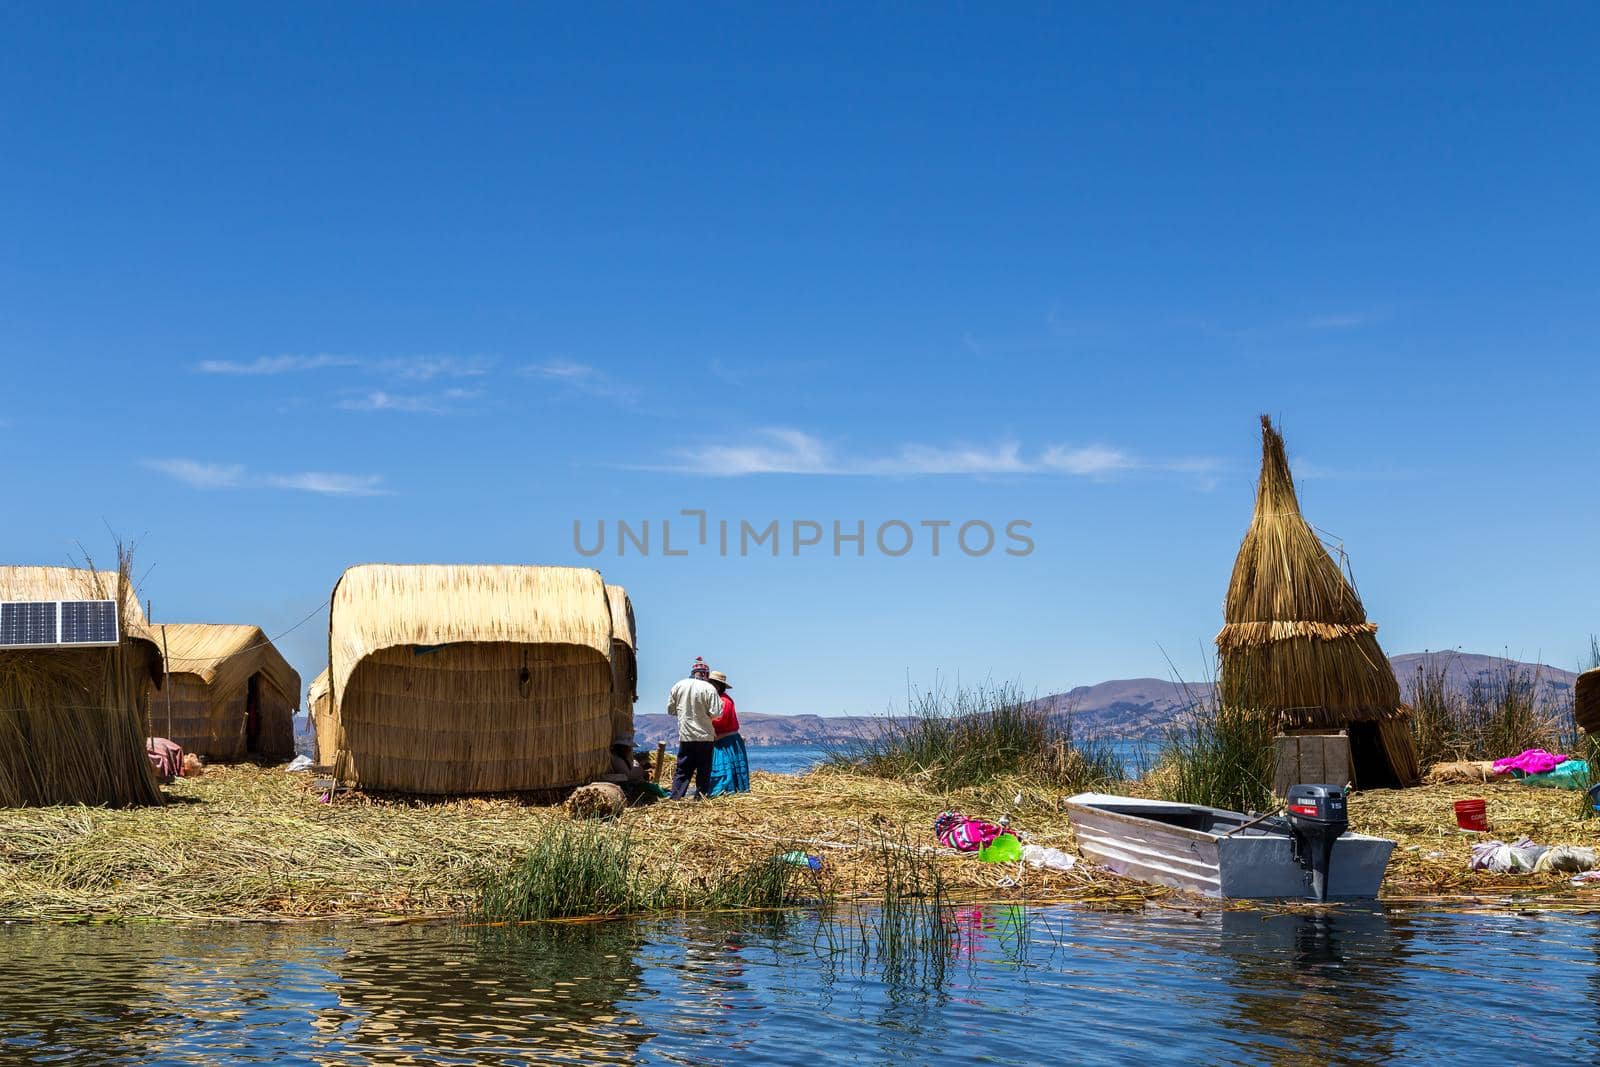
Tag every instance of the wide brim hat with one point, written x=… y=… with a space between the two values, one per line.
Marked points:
x=721 y=679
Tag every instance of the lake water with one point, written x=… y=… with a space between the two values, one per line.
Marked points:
x=1052 y=985
x=797 y=759
x=785 y=759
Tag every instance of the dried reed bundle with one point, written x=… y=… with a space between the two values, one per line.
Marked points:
x=597 y=800
x=1458 y=771
x=470 y=679
x=209 y=672
x=72 y=721
x=1297 y=644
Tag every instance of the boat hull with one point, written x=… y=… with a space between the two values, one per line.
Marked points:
x=1243 y=865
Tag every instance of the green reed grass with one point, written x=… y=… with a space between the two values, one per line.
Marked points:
x=590 y=869
x=766 y=881
x=1220 y=757
x=910 y=933
x=952 y=738
x=1501 y=713
x=1438 y=722
x=573 y=870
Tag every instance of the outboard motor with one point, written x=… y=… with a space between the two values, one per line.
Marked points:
x=1316 y=819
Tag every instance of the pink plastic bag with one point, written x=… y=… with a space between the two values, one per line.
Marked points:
x=1533 y=761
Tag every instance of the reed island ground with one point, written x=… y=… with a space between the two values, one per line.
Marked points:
x=259 y=844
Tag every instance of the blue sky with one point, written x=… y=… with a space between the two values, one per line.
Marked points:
x=288 y=288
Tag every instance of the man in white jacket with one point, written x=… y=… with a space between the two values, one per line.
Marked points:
x=694 y=702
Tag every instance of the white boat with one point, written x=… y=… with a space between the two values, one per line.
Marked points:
x=1219 y=853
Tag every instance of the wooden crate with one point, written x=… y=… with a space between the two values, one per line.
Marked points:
x=1311 y=758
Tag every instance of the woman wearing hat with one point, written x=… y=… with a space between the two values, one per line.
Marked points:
x=730 y=765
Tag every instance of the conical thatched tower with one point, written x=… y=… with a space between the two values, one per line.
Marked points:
x=1297 y=642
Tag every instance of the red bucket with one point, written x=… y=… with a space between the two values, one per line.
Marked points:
x=1472 y=814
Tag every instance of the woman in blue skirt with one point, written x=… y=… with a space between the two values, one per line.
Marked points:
x=730 y=766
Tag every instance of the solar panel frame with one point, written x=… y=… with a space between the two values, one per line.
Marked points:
x=59 y=624
x=88 y=622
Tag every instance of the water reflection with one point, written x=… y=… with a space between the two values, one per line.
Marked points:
x=486 y=995
x=1319 y=983
x=1050 y=985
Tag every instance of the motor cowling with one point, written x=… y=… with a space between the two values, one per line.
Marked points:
x=1317 y=816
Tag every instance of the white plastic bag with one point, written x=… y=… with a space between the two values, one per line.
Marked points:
x=1052 y=859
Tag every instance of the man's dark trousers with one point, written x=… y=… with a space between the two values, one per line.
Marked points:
x=694 y=758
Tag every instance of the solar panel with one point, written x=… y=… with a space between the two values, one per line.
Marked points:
x=58 y=623
x=88 y=622
x=25 y=623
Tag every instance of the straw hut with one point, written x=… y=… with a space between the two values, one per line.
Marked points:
x=323 y=724
x=1297 y=643
x=230 y=694
x=1586 y=701
x=72 y=720
x=470 y=679
x=624 y=665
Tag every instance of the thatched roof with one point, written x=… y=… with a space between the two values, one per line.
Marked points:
x=1297 y=640
x=1586 y=701
x=1285 y=584
x=224 y=656
x=384 y=605
x=75 y=583
x=621 y=616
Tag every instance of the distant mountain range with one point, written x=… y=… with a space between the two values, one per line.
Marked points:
x=1131 y=708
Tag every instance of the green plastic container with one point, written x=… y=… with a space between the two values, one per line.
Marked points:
x=1003 y=849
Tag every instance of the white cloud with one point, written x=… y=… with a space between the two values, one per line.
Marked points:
x=427 y=368
x=330 y=484
x=429 y=403
x=274 y=364
x=579 y=377
x=782 y=452
x=920 y=459
x=789 y=451
x=402 y=368
x=198 y=474
x=1090 y=461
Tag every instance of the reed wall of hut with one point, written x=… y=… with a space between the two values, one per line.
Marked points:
x=448 y=679
x=323 y=724
x=624 y=665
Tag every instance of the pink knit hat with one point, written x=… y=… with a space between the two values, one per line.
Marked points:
x=700 y=669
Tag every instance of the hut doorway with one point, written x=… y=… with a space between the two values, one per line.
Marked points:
x=252 y=715
x=1369 y=760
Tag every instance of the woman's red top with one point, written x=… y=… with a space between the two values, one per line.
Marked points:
x=728 y=721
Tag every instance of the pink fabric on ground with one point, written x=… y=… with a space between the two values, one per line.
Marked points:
x=1533 y=761
x=165 y=756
